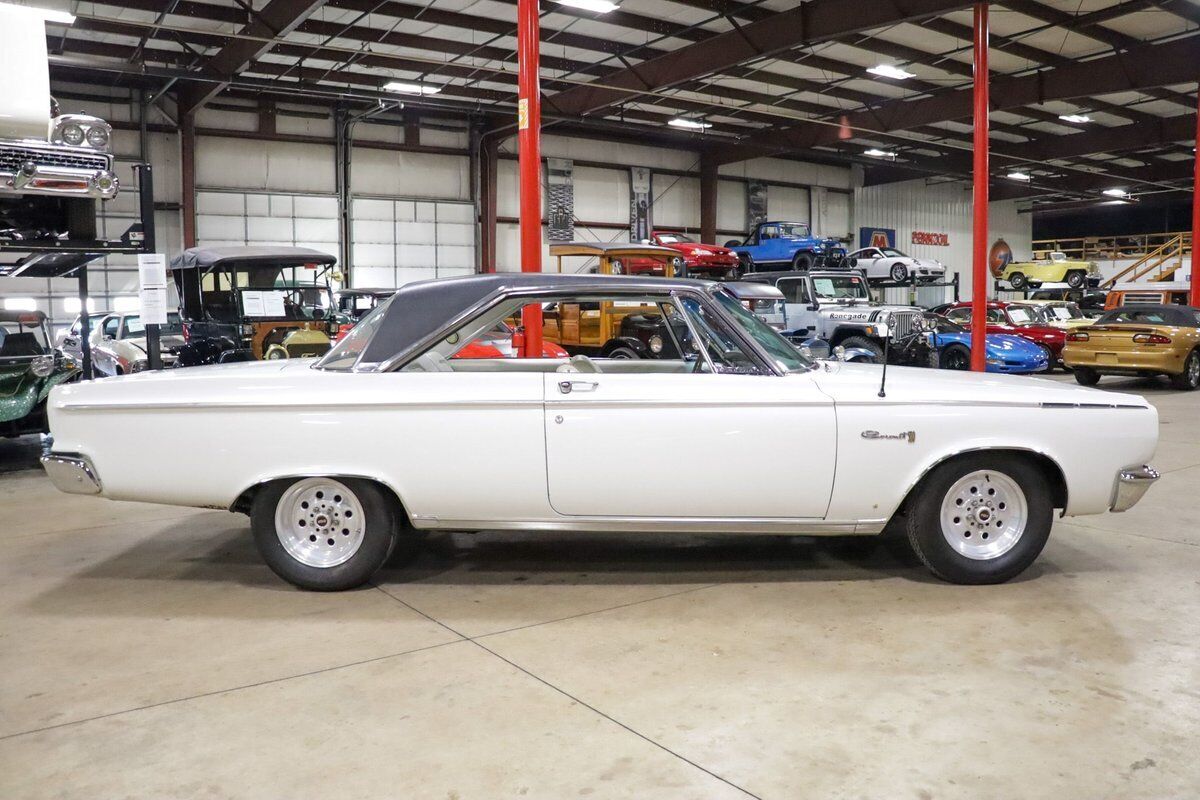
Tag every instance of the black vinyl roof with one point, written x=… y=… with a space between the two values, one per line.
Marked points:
x=1183 y=316
x=420 y=309
x=255 y=255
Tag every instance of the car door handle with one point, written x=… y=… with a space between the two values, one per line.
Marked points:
x=566 y=387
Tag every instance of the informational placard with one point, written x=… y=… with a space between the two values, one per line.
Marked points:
x=273 y=304
x=252 y=304
x=154 y=305
x=152 y=270
x=262 y=303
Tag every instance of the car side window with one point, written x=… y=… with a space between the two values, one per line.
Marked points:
x=769 y=232
x=110 y=326
x=959 y=314
x=724 y=353
x=996 y=315
x=794 y=290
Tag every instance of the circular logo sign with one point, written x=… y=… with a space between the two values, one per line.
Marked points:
x=1000 y=257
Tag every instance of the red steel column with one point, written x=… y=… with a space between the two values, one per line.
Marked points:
x=979 y=247
x=529 y=159
x=1194 y=300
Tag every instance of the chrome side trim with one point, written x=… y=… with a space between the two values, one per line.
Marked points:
x=979 y=404
x=1131 y=485
x=71 y=473
x=1090 y=405
x=330 y=406
x=741 y=525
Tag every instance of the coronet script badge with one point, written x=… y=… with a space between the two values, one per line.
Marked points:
x=911 y=436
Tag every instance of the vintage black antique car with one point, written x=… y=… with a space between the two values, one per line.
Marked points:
x=29 y=369
x=254 y=303
x=354 y=304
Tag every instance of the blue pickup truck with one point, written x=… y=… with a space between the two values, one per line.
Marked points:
x=788 y=245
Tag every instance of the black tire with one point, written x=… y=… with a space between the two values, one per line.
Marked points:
x=623 y=352
x=383 y=522
x=1076 y=279
x=801 y=261
x=932 y=546
x=1017 y=280
x=1085 y=376
x=1189 y=379
x=745 y=264
x=864 y=343
x=898 y=273
x=955 y=357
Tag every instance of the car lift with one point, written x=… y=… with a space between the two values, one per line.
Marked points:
x=62 y=258
x=911 y=282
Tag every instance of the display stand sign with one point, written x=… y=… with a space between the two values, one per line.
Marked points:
x=640 y=204
x=152 y=276
x=560 y=200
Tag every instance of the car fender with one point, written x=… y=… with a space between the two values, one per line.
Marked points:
x=632 y=342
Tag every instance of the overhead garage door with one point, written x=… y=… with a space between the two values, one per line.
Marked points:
x=400 y=241
x=262 y=218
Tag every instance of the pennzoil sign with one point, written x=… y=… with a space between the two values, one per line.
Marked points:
x=936 y=239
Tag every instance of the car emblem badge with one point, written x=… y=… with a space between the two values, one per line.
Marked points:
x=911 y=436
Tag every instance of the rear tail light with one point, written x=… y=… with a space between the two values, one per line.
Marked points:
x=187 y=333
x=1151 y=338
x=1078 y=336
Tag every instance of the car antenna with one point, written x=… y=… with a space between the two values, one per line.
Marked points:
x=887 y=340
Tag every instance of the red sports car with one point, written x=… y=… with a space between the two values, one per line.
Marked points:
x=1017 y=319
x=700 y=260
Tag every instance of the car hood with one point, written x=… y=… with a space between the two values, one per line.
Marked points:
x=690 y=248
x=848 y=382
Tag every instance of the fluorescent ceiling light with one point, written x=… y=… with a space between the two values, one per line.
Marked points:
x=1116 y=193
x=874 y=151
x=599 y=6
x=889 y=71
x=1078 y=118
x=1018 y=176
x=689 y=124
x=411 y=88
x=49 y=15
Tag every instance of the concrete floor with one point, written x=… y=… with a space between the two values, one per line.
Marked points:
x=146 y=653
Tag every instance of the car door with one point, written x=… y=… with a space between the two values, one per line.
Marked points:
x=689 y=444
x=869 y=260
x=800 y=319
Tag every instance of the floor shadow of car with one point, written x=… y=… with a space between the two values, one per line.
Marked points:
x=21 y=453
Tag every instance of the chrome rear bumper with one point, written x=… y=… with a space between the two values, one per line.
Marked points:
x=72 y=474
x=1132 y=483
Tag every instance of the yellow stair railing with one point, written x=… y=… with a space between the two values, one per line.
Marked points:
x=1167 y=258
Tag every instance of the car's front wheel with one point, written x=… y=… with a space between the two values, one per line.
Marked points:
x=980 y=518
x=325 y=533
x=1076 y=279
x=899 y=273
x=863 y=343
x=1017 y=280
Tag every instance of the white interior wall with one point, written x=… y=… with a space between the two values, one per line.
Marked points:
x=939 y=208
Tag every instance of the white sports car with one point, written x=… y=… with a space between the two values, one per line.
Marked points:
x=119 y=343
x=889 y=264
x=970 y=467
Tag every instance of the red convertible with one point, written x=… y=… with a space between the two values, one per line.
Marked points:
x=700 y=260
x=1018 y=319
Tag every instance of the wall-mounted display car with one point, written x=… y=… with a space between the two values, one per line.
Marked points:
x=891 y=265
x=970 y=467
x=787 y=245
x=254 y=303
x=1055 y=269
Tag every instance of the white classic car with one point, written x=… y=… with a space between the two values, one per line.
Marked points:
x=119 y=343
x=971 y=467
x=889 y=264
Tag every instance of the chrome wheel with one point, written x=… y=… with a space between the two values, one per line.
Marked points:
x=320 y=522
x=984 y=515
x=1193 y=370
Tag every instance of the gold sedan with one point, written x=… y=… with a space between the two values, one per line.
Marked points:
x=1138 y=340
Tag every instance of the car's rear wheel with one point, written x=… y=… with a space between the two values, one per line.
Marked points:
x=1017 y=280
x=1189 y=379
x=1085 y=376
x=899 y=273
x=1076 y=279
x=623 y=353
x=981 y=518
x=325 y=533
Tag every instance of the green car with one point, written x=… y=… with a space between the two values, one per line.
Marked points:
x=29 y=369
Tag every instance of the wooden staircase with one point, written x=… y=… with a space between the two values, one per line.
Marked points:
x=1159 y=264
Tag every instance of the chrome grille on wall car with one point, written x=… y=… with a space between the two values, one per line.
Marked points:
x=903 y=323
x=11 y=158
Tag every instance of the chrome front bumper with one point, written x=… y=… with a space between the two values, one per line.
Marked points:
x=1132 y=483
x=72 y=474
x=99 y=184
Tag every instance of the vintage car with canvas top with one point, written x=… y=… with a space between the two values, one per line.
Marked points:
x=1142 y=340
x=1055 y=269
x=29 y=369
x=971 y=468
x=787 y=245
x=254 y=303
x=119 y=343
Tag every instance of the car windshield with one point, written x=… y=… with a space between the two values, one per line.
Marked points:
x=346 y=352
x=891 y=252
x=673 y=238
x=134 y=326
x=22 y=339
x=1021 y=315
x=944 y=325
x=1061 y=313
x=785 y=356
x=792 y=229
x=840 y=287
